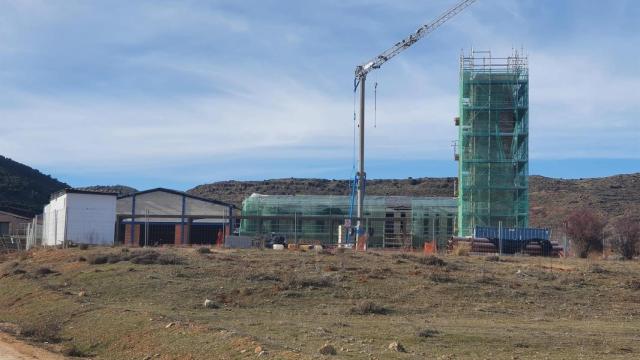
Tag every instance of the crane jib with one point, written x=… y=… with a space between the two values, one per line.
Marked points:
x=412 y=39
x=360 y=79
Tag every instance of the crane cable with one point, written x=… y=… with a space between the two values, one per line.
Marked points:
x=354 y=175
x=355 y=88
x=375 y=105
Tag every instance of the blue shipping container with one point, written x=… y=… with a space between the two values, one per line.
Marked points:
x=515 y=239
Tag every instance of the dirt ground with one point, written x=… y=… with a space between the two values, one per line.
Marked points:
x=13 y=349
x=115 y=303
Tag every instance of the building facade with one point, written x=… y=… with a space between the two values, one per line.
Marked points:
x=12 y=223
x=390 y=221
x=169 y=217
x=80 y=217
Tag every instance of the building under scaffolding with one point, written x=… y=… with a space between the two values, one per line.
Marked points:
x=493 y=142
x=391 y=221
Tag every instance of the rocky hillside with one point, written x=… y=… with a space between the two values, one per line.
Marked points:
x=550 y=199
x=118 y=189
x=236 y=191
x=24 y=189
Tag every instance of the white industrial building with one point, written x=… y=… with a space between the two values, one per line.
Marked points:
x=80 y=217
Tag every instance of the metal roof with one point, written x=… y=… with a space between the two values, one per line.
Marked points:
x=18 y=216
x=180 y=193
x=57 y=194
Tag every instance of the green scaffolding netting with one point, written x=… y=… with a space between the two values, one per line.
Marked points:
x=391 y=221
x=493 y=143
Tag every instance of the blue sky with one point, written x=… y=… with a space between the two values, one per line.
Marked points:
x=180 y=93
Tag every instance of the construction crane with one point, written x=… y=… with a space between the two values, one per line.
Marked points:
x=376 y=63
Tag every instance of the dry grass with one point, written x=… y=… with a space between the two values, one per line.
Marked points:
x=461 y=250
x=293 y=303
x=140 y=257
x=428 y=333
x=369 y=308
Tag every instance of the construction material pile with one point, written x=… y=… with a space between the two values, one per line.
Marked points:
x=485 y=246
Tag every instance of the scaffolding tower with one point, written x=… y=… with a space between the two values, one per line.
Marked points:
x=492 y=147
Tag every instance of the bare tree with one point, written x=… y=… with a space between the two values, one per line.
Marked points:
x=585 y=227
x=626 y=237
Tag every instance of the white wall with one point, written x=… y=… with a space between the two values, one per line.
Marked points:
x=91 y=219
x=53 y=221
x=81 y=219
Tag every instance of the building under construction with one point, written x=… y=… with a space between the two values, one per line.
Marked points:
x=493 y=134
x=492 y=189
x=391 y=221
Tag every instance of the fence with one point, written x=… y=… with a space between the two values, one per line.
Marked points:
x=10 y=243
x=394 y=232
x=382 y=232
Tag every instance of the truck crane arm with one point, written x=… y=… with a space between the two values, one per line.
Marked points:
x=376 y=62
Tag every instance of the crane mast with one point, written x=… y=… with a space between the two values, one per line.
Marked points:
x=375 y=63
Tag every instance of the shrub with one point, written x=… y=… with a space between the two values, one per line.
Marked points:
x=301 y=283
x=113 y=259
x=633 y=284
x=331 y=268
x=151 y=257
x=461 y=249
x=626 y=239
x=427 y=333
x=73 y=351
x=44 y=332
x=596 y=269
x=18 y=271
x=431 y=260
x=328 y=349
x=98 y=259
x=369 y=307
x=144 y=257
x=585 y=227
x=83 y=246
x=492 y=258
x=170 y=259
x=324 y=252
x=403 y=256
x=440 y=277
x=263 y=277
x=204 y=250
x=209 y=304
x=44 y=271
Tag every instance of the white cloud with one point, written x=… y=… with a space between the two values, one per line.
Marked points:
x=244 y=85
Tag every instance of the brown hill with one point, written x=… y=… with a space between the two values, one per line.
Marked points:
x=550 y=199
x=24 y=190
x=236 y=191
